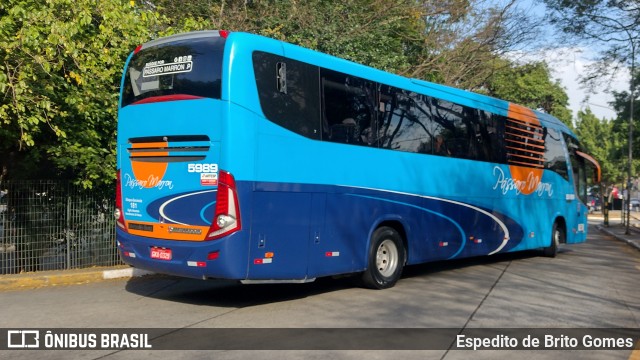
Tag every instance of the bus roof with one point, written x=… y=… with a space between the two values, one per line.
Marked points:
x=183 y=36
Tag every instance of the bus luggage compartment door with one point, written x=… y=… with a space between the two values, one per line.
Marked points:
x=279 y=236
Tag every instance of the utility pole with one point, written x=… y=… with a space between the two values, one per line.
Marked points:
x=629 y=170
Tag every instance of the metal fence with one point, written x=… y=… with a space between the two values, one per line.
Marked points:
x=54 y=225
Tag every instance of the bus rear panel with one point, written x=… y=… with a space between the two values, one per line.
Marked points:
x=178 y=210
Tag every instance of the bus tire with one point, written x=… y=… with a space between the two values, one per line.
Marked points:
x=386 y=258
x=557 y=237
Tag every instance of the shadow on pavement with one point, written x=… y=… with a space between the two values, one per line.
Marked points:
x=226 y=293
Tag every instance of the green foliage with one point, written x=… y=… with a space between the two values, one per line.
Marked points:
x=609 y=26
x=450 y=42
x=621 y=104
x=374 y=33
x=60 y=64
x=599 y=139
x=531 y=85
x=61 y=61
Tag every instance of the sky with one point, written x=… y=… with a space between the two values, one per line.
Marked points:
x=567 y=64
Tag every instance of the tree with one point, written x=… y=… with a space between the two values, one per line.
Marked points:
x=463 y=40
x=61 y=60
x=530 y=85
x=452 y=42
x=377 y=33
x=621 y=125
x=613 y=26
x=610 y=25
x=598 y=139
x=60 y=68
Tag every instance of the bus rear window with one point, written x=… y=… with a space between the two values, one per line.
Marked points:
x=184 y=68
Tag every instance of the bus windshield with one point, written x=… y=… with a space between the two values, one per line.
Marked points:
x=183 y=67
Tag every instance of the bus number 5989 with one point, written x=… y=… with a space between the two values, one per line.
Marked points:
x=202 y=168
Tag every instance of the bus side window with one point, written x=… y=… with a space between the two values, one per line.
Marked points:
x=554 y=155
x=288 y=93
x=405 y=123
x=451 y=117
x=348 y=108
x=488 y=141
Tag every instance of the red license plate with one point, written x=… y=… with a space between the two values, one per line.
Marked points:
x=160 y=253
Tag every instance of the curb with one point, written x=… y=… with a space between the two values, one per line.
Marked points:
x=633 y=243
x=35 y=280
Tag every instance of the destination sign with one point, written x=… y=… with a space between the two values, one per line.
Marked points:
x=181 y=64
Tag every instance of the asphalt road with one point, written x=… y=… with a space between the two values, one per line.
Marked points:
x=590 y=285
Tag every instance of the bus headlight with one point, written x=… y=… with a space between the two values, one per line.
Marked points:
x=117 y=213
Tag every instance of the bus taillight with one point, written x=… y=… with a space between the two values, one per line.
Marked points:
x=226 y=219
x=118 y=212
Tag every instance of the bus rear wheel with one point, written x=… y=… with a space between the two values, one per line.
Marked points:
x=386 y=258
x=557 y=237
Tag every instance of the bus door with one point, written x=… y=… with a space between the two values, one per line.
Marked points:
x=577 y=214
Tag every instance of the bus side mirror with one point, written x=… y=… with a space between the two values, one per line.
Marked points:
x=597 y=173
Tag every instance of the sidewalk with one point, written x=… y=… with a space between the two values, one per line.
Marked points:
x=32 y=280
x=618 y=230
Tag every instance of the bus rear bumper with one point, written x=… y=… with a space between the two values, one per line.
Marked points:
x=217 y=259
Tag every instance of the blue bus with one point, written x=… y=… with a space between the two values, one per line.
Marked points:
x=248 y=158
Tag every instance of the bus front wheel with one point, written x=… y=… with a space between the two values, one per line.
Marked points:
x=557 y=237
x=386 y=259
